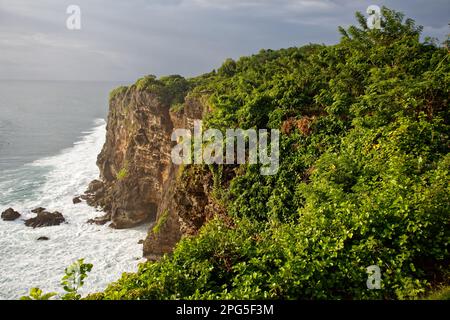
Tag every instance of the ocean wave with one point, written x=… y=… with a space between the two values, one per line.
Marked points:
x=52 y=182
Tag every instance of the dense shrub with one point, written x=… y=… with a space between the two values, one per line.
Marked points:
x=170 y=89
x=363 y=178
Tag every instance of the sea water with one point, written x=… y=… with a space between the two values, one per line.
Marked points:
x=50 y=136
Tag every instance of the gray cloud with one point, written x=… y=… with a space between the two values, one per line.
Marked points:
x=123 y=40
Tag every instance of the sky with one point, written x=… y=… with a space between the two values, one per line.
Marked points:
x=125 y=40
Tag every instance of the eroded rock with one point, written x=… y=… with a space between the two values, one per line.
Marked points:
x=38 y=210
x=10 y=215
x=45 y=219
x=100 y=220
x=135 y=160
x=76 y=200
x=138 y=181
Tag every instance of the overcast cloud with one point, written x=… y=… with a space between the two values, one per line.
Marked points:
x=123 y=40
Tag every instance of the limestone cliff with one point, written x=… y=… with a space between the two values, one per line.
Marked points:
x=135 y=160
x=139 y=183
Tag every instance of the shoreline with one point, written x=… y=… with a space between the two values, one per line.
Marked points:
x=27 y=262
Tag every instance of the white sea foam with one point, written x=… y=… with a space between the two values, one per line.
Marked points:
x=26 y=262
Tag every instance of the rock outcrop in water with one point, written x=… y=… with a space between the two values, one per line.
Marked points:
x=45 y=219
x=76 y=200
x=38 y=210
x=138 y=181
x=10 y=215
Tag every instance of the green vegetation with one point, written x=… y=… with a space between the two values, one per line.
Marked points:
x=170 y=89
x=161 y=221
x=72 y=281
x=177 y=107
x=149 y=82
x=363 y=177
x=74 y=277
x=117 y=91
x=441 y=294
x=122 y=174
x=38 y=294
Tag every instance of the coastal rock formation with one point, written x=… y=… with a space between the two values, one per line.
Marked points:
x=38 y=210
x=100 y=220
x=10 y=215
x=138 y=181
x=135 y=159
x=187 y=202
x=76 y=200
x=45 y=219
x=186 y=205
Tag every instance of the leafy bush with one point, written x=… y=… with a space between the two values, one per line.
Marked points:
x=117 y=91
x=37 y=294
x=74 y=277
x=72 y=281
x=171 y=89
x=363 y=178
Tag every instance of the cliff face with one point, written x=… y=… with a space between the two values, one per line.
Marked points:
x=135 y=160
x=139 y=183
x=186 y=205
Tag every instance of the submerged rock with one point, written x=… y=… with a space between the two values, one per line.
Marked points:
x=45 y=219
x=10 y=215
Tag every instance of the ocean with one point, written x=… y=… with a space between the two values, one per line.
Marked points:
x=50 y=136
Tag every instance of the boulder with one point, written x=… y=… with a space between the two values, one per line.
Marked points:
x=94 y=194
x=95 y=186
x=10 y=215
x=76 y=200
x=100 y=220
x=38 y=210
x=43 y=238
x=45 y=219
